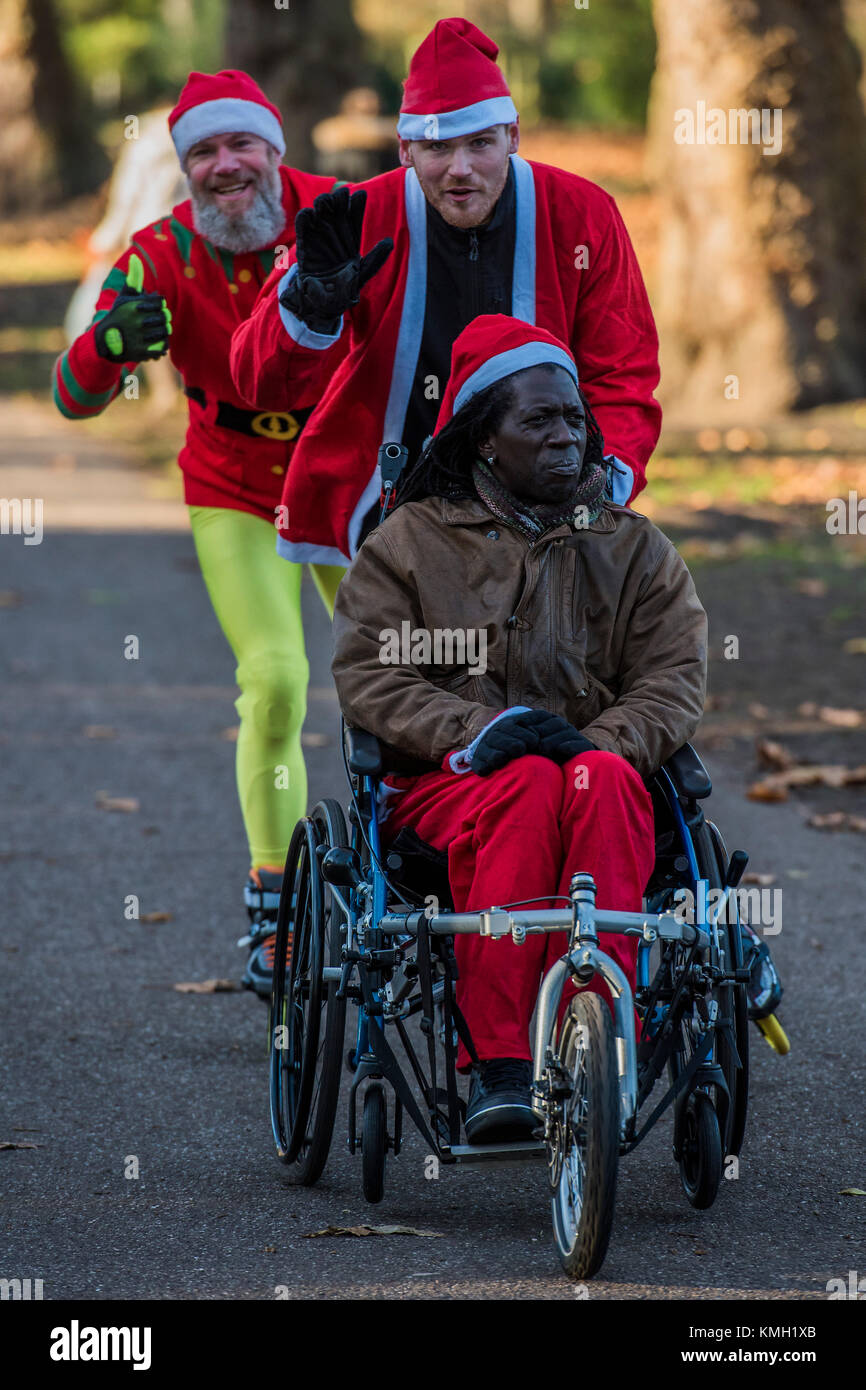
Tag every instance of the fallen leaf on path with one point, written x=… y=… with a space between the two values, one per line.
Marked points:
x=762 y=880
x=19 y=1144
x=772 y=754
x=856 y=645
x=230 y=735
x=99 y=731
x=105 y=802
x=312 y=740
x=840 y=718
x=767 y=790
x=10 y=598
x=156 y=917
x=852 y=1192
x=814 y=588
x=207 y=987
x=369 y=1231
x=830 y=820
x=775 y=787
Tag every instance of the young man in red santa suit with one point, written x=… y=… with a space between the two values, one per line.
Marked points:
x=183 y=286
x=384 y=281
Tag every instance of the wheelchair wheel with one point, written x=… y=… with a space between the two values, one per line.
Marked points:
x=374 y=1142
x=736 y=1077
x=701 y=1156
x=584 y=1170
x=307 y=1021
x=732 y=1020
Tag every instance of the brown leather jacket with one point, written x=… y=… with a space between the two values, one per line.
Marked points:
x=602 y=626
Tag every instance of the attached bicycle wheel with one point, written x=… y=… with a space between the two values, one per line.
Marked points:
x=307 y=1020
x=701 y=1151
x=584 y=1171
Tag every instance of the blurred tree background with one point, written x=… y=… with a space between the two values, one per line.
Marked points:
x=73 y=69
x=749 y=260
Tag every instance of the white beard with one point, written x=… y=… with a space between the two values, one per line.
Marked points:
x=259 y=226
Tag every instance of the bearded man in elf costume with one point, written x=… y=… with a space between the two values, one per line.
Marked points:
x=182 y=287
x=384 y=280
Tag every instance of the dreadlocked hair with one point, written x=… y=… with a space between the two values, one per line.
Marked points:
x=444 y=469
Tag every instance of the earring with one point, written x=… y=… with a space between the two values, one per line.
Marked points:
x=491 y=459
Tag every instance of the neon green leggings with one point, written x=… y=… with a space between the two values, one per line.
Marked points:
x=256 y=596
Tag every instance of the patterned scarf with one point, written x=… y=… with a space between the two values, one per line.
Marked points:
x=533 y=521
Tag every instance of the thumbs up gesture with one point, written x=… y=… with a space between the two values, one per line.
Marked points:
x=137 y=325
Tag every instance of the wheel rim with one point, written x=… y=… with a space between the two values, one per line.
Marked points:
x=572 y=1174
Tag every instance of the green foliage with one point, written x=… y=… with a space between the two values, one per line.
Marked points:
x=597 y=65
x=139 y=55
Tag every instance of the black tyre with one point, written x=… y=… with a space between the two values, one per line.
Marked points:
x=374 y=1142
x=307 y=1020
x=709 y=848
x=732 y=1020
x=584 y=1172
x=701 y=1154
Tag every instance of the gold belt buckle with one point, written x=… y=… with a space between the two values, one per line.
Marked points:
x=275 y=424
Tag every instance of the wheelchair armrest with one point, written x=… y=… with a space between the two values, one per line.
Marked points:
x=363 y=752
x=688 y=774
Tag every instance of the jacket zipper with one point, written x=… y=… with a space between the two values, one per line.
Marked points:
x=475 y=262
x=513 y=621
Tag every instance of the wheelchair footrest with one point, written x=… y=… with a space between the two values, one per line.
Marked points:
x=515 y=1152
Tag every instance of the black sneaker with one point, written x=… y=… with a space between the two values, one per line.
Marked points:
x=500 y=1107
x=262 y=898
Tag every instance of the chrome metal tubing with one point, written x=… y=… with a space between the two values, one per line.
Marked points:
x=623 y=1006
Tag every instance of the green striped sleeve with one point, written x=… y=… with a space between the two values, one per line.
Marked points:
x=84 y=398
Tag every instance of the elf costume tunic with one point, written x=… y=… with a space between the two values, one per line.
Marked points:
x=233 y=456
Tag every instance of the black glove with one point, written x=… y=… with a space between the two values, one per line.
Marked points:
x=331 y=270
x=559 y=740
x=137 y=326
x=505 y=740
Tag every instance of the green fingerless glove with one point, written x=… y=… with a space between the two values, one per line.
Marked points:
x=137 y=326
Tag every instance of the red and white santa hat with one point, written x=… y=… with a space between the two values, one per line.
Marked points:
x=494 y=346
x=220 y=103
x=454 y=86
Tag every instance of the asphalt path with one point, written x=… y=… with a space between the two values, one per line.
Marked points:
x=108 y=1071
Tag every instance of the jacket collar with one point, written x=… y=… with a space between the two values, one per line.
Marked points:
x=466 y=510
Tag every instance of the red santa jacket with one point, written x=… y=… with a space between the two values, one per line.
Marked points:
x=575 y=273
x=209 y=292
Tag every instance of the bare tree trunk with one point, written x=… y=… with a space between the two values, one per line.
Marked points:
x=761 y=291
x=47 y=147
x=306 y=58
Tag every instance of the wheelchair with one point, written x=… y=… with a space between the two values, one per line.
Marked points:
x=377 y=929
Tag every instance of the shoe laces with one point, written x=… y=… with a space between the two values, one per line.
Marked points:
x=269 y=951
x=506 y=1071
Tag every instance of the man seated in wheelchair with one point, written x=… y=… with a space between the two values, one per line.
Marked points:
x=577 y=666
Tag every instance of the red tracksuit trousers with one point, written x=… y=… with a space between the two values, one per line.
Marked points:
x=520 y=834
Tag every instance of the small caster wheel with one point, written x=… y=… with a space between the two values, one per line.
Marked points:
x=374 y=1142
x=700 y=1151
